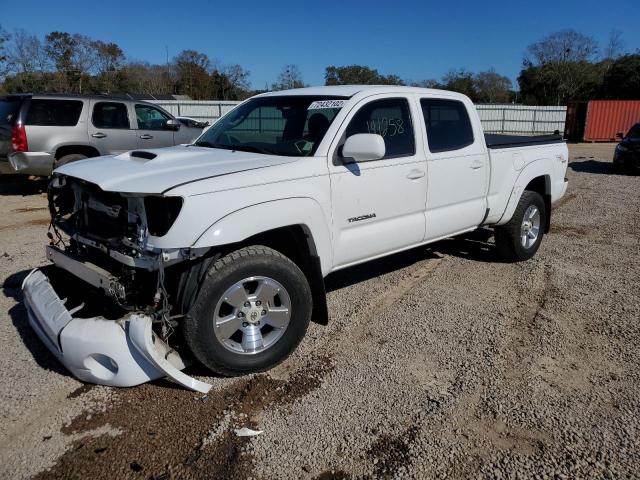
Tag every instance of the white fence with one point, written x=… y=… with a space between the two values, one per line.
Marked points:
x=496 y=118
x=203 y=110
x=521 y=119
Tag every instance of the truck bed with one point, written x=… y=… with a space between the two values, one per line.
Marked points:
x=495 y=140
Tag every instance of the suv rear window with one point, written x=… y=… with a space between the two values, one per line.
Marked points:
x=54 y=113
x=9 y=108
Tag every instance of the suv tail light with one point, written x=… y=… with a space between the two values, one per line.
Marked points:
x=19 y=138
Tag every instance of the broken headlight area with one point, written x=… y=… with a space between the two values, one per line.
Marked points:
x=103 y=238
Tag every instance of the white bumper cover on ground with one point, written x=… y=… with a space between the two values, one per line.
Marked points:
x=120 y=353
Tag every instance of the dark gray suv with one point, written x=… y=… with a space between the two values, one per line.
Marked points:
x=38 y=133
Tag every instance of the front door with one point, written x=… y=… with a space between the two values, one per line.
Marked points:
x=152 y=131
x=378 y=206
x=458 y=168
x=110 y=128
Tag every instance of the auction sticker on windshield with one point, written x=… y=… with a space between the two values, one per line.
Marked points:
x=318 y=104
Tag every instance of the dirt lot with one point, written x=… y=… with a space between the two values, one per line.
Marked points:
x=438 y=363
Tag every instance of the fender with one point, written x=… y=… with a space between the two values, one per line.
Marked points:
x=540 y=167
x=258 y=218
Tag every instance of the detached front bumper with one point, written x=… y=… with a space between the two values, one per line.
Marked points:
x=120 y=353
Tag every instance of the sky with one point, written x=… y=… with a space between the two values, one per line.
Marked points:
x=416 y=40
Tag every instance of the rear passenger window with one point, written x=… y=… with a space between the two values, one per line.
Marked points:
x=110 y=115
x=448 y=124
x=54 y=113
x=389 y=118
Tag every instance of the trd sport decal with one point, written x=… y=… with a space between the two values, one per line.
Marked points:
x=362 y=217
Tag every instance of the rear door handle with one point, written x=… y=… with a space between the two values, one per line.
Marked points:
x=98 y=135
x=146 y=136
x=476 y=164
x=415 y=174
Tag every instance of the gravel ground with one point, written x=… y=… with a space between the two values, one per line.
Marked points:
x=441 y=362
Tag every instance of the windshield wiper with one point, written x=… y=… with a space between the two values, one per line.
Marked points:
x=214 y=145
x=239 y=147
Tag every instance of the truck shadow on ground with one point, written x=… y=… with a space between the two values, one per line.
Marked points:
x=22 y=185
x=593 y=166
x=473 y=246
x=43 y=357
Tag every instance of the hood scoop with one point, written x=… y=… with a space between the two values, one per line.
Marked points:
x=143 y=155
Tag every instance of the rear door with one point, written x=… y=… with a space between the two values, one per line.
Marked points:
x=457 y=165
x=110 y=127
x=151 y=127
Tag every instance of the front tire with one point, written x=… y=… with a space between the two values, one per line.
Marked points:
x=252 y=311
x=520 y=238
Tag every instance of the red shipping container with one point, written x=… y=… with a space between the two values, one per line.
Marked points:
x=605 y=118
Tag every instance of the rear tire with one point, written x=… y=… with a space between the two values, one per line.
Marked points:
x=72 y=157
x=251 y=312
x=520 y=238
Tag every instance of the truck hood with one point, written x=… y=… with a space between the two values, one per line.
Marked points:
x=155 y=171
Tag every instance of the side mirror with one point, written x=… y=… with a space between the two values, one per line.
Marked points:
x=363 y=147
x=619 y=136
x=172 y=124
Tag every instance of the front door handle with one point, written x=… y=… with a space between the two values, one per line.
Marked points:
x=415 y=174
x=98 y=135
x=146 y=136
x=476 y=164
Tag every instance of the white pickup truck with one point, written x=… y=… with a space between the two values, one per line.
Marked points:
x=218 y=250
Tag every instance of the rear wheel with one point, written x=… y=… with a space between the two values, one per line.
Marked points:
x=72 y=157
x=251 y=312
x=520 y=238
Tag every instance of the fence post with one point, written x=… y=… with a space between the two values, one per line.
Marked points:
x=533 y=127
x=504 y=112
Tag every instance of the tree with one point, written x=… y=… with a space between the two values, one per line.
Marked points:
x=358 y=75
x=461 y=81
x=559 y=68
x=622 y=79
x=192 y=70
x=290 y=77
x=74 y=56
x=237 y=82
x=109 y=61
x=615 y=46
x=4 y=37
x=563 y=46
x=492 y=87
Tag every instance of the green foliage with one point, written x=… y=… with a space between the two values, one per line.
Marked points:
x=622 y=79
x=358 y=75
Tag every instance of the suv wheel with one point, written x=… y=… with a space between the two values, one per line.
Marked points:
x=520 y=238
x=251 y=312
x=72 y=157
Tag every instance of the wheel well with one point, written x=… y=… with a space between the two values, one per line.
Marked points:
x=81 y=149
x=542 y=185
x=296 y=243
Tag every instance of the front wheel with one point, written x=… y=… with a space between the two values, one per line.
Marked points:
x=251 y=312
x=520 y=238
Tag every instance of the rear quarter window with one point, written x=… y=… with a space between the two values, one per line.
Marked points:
x=54 y=113
x=9 y=109
x=448 y=124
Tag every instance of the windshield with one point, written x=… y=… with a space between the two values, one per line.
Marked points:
x=288 y=125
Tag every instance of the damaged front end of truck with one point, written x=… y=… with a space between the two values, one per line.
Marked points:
x=110 y=303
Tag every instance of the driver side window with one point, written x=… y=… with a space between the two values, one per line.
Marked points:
x=390 y=118
x=150 y=118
